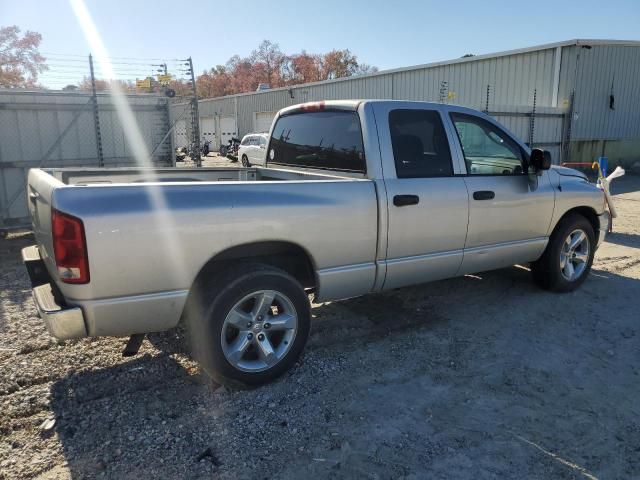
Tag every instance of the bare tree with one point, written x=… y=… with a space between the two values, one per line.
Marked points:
x=269 y=56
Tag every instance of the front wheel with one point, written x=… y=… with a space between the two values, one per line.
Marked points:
x=567 y=260
x=253 y=325
x=245 y=161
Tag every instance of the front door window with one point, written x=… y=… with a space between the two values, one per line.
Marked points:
x=487 y=149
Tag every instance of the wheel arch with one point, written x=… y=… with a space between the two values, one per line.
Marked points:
x=587 y=212
x=287 y=256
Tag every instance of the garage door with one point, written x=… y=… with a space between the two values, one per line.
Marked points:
x=262 y=121
x=228 y=129
x=180 y=134
x=208 y=129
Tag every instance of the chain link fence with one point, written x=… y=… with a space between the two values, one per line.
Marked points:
x=69 y=129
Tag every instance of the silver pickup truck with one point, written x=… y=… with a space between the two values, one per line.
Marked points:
x=357 y=197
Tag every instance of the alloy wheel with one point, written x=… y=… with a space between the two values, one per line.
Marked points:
x=259 y=331
x=574 y=255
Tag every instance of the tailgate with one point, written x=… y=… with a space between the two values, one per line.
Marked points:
x=40 y=186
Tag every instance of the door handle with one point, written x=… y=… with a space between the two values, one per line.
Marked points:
x=403 y=200
x=484 y=195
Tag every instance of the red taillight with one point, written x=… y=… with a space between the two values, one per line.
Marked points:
x=69 y=248
x=312 y=106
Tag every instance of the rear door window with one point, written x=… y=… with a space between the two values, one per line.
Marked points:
x=330 y=140
x=420 y=145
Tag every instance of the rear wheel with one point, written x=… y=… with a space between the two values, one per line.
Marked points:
x=252 y=325
x=567 y=260
x=245 y=161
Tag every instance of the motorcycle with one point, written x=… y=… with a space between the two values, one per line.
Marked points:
x=181 y=153
x=205 y=148
x=231 y=150
x=192 y=150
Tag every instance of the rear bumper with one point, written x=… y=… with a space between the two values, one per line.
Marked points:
x=604 y=220
x=62 y=322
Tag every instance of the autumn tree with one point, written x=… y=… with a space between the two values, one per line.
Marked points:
x=306 y=68
x=244 y=76
x=20 y=60
x=181 y=87
x=268 y=64
x=214 y=83
x=342 y=63
x=126 y=86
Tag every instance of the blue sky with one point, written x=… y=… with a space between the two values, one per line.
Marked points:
x=382 y=33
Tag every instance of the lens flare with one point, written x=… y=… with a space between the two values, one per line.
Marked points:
x=162 y=216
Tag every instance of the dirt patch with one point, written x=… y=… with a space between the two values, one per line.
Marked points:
x=475 y=377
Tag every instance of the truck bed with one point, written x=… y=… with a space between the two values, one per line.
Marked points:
x=149 y=232
x=97 y=176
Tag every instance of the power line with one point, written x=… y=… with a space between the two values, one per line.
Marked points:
x=118 y=58
x=147 y=73
x=73 y=61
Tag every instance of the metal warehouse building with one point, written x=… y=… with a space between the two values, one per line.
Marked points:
x=580 y=99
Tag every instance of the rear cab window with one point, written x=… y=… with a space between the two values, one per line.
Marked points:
x=420 y=144
x=325 y=140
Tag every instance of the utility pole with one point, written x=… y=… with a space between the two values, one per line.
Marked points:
x=96 y=114
x=532 y=118
x=195 y=117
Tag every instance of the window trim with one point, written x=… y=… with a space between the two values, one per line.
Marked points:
x=523 y=153
x=444 y=131
x=310 y=167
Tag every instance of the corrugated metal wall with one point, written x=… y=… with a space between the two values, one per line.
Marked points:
x=603 y=70
x=545 y=131
x=512 y=77
x=58 y=130
x=512 y=80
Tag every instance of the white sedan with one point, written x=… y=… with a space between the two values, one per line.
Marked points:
x=253 y=149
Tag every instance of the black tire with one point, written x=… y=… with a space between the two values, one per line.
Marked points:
x=218 y=295
x=546 y=270
x=245 y=161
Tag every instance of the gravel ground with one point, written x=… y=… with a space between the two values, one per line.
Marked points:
x=477 y=377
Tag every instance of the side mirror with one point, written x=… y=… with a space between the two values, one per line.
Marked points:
x=540 y=159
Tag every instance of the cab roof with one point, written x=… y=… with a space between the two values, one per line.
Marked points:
x=352 y=105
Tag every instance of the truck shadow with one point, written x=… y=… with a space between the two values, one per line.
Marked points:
x=626 y=184
x=150 y=417
x=13 y=287
x=624 y=239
